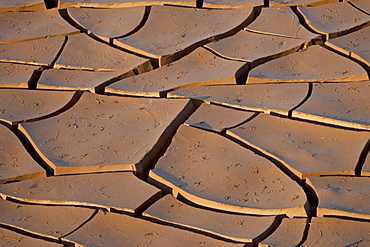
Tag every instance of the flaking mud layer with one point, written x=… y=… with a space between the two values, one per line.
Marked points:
x=184 y=123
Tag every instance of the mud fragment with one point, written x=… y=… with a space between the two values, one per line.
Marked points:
x=343 y=104
x=342 y=196
x=262 y=97
x=115 y=229
x=200 y=67
x=83 y=52
x=334 y=19
x=250 y=47
x=35 y=52
x=198 y=161
x=243 y=228
x=24 y=26
x=338 y=232
x=311 y=65
x=217 y=118
x=120 y=191
x=16 y=75
x=286 y=24
x=171 y=32
x=94 y=81
x=12 y=238
x=15 y=163
x=289 y=233
x=112 y=133
x=107 y=23
x=306 y=149
x=44 y=221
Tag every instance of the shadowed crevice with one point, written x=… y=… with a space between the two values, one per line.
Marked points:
x=309 y=93
x=138 y=212
x=59 y=53
x=139 y=26
x=223 y=132
x=275 y=225
x=50 y=4
x=199 y=3
x=305 y=232
x=353 y=5
x=361 y=160
x=151 y=158
x=81 y=225
x=35 y=77
x=303 y=22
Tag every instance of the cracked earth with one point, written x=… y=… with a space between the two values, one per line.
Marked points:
x=184 y=123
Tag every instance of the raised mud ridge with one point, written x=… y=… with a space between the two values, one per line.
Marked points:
x=184 y=123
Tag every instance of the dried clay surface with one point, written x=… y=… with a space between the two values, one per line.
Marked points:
x=343 y=104
x=306 y=149
x=22 y=5
x=64 y=79
x=200 y=67
x=23 y=26
x=263 y=97
x=344 y=196
x=21 y=105
x=355 y=45
x=34 y=52
x=115 y=229
x=197 y=160
x=242 y=228
x=93 y=190
x=111 y=4
x=365 y=169
x=279 y=3
x=286 y=24
x=184 y=123
x=338 y=232
x=250 y=47
x=289 y=233
x=12 y=238
x=14 y=75
x=87 y=125
x=333 y=19
x=223 y=4
x=107 y=23
x=83 y=52
x=170 y=30
x=311 y=65
x=16 y=163
x=362 y=5
x=218 y=118
x=47 y=221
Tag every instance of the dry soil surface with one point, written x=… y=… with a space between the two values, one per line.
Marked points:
x=184 y=123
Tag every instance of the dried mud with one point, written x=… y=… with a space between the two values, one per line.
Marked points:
x=184 y=123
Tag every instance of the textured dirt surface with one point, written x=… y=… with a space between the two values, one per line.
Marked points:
x=184 y=123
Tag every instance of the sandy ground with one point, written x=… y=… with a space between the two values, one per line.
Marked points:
x=184 y=123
